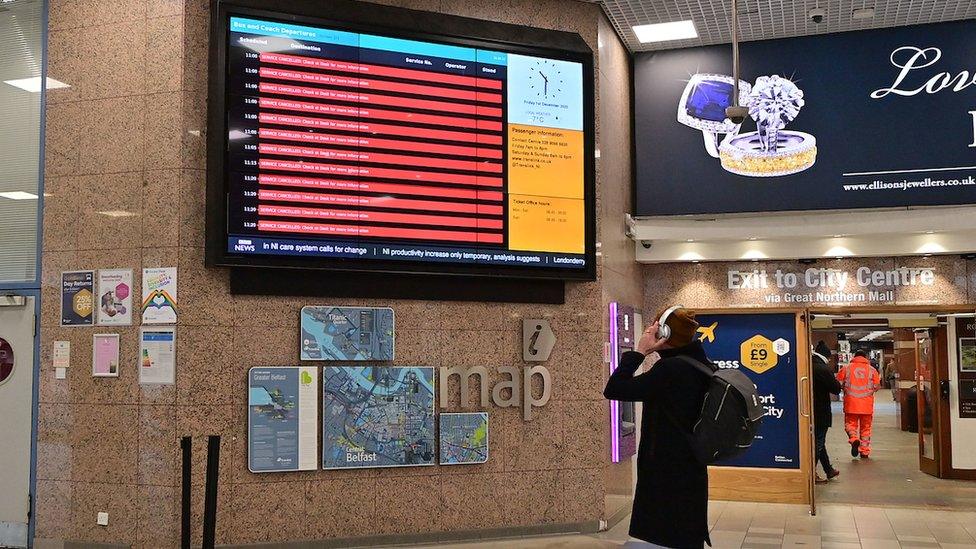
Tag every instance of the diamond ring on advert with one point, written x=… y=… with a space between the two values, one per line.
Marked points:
x=749 y=154
x=773 y=102
x=703 y=104
x=771 y=150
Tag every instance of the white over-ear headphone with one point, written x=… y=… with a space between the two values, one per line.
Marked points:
x=663 y=330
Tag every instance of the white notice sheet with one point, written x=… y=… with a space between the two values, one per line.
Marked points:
x=157 y=355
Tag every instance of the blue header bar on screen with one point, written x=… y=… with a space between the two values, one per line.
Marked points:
x=295 y=32
x=368 y=41
x=415 y=47
x=493 y=57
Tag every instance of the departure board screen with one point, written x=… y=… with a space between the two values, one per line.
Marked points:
x=384 y=151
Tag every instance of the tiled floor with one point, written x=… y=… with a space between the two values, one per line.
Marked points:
x=768 y=526
x=881 y=503
x=891 y=477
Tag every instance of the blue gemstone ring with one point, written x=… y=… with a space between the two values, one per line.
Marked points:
x=703 y=103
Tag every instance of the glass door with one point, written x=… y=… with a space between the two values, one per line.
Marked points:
x=927 y=389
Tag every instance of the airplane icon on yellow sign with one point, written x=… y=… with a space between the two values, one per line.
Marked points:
x=708 y=332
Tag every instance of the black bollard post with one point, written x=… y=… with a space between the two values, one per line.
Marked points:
x=186 y=445
x=210 y=505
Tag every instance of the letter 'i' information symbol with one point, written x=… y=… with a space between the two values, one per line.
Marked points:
x=533 y=350
x=537 y=340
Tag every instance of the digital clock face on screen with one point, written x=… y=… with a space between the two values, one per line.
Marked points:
x=356 y=146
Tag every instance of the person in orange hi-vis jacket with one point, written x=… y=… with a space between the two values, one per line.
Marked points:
x=860 y=382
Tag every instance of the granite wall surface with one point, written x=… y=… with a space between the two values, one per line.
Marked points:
x=129 y=136
x=621 y=274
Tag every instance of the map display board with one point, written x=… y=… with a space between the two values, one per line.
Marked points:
x=373 y=148
x=282 y=419
x=377 y=417
x=347 y=333
x=463 y=438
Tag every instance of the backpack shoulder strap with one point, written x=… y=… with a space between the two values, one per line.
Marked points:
x=707 y=369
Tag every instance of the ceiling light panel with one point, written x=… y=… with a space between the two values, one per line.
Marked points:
x=666 y=32
x=18 y=195
x=33 y=84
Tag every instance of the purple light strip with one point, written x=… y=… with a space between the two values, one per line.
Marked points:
x=614 y=405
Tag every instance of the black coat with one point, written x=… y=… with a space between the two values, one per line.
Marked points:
x=824 y=384
x=671 y=501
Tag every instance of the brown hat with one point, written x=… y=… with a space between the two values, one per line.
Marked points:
x=683 y=326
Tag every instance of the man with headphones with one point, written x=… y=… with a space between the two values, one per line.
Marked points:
x=671 y=500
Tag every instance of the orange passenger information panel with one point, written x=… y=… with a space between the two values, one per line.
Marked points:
x=351 y=146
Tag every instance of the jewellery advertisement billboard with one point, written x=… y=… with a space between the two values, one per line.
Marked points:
x=868 y=119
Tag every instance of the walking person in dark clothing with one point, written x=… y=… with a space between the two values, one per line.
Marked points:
x=671 y=499
x=824 y=385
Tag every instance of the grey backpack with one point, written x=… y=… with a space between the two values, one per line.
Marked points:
x=730 y=415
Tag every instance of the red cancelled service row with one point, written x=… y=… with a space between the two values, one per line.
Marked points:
x=375 y=187
x=379 y=217
x=379 y=70
x=379 y=158
x=374 y=128
x=368 y=84
x=369 y=142
x=384 y=202
x=386 y=173
x=382 y=114
x=377 y=99
x=362 y=231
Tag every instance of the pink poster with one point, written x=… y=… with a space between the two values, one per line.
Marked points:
x=105 y=355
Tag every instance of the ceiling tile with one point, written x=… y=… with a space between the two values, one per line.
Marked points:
x=769 y=19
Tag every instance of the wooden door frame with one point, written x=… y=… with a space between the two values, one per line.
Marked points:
x=943 y=417
x=941 y=432
x=768 y=485
x=946 y=470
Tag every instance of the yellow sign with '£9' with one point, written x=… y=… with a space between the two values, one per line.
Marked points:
x=757 y=354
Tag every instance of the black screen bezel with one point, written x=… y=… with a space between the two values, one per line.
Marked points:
x=294 y=11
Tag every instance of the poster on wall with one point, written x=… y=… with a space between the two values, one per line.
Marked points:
x=115 y=297
x=347 y=333
x=967 y=354
x=378 y=417
x=763 y=346
x=967 y=398
x=835 y=122
x=6 y=360
x=78 y=298
x=157 y=355
x=282 y=419
x=105 y=355
x=61 y=356
x=463 y=438
x=966 y=366
x=159 y=295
